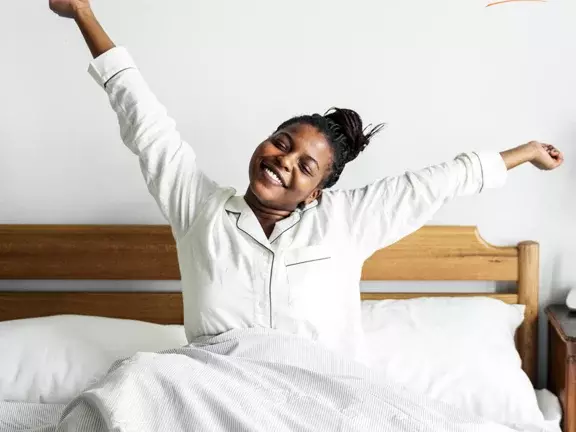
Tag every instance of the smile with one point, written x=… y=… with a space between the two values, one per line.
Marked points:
x=273 y=176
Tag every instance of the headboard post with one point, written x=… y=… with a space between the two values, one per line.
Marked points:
x=528 y=285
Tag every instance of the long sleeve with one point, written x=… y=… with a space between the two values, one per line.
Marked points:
x=167 y=162
x=383 y=212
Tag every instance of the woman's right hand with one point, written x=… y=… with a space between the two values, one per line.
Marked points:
x=68 y=8
x=94 y=35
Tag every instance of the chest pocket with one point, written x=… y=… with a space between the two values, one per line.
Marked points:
x=308 y=269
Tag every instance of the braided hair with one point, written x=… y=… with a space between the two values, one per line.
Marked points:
x=343 y=129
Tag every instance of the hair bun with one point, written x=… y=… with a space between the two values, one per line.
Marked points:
x=348 y=123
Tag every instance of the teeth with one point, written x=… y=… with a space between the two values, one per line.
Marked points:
x=272 y=174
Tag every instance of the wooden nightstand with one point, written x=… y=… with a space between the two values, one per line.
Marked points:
x=562 y=361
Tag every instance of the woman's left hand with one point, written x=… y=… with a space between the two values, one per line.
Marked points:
x=542 y=156
x=547 y=157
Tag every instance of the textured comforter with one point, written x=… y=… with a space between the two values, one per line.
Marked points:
x=256 y=380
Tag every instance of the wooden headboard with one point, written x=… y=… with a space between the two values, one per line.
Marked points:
x=147 y=252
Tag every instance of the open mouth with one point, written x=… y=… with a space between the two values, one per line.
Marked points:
x=273 y=174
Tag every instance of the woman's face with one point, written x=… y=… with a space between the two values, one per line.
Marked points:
x=288 y=168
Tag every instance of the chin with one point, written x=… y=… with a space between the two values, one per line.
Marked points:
x=263 y=193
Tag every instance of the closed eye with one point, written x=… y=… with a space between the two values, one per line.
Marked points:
x=305 y=169
x=278 y=143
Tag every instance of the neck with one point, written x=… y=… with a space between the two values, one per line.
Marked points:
x=267 y=216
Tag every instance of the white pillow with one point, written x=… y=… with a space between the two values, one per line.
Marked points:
x=52 y=359
x=459 y=350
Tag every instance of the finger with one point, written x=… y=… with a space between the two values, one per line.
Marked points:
x=557 y=162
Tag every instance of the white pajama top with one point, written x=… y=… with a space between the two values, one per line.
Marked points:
x=304 y=278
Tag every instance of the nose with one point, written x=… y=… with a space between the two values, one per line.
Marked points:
x=285 y=162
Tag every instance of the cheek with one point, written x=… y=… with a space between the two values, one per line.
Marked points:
x=256 y=156
x=266 y=149
x=306 y=184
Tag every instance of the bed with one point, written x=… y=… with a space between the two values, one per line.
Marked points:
x=147 y=252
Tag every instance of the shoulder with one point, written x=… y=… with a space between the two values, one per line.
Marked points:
x=334 y=204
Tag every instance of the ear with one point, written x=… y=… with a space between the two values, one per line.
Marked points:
x=316 y=193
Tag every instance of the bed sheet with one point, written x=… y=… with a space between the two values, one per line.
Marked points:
x=20 y=417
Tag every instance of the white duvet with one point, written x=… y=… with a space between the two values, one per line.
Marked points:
x=255 y=380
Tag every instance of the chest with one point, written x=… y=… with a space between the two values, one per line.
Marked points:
x=304 y=261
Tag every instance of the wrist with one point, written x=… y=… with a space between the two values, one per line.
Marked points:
x=519 y=155
x=82 y=11
x=531 y=150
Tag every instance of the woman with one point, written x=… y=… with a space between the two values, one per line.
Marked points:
x=287 y=254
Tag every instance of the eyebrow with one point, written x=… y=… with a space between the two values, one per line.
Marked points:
x=291 y=140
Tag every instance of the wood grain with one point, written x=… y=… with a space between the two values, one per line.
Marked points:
x=564 y=320
x=148 y=252
x=443 y=253
x=528 y=287
x=506 y=298
x=156 y=307
x=137 y=252
x=562 y=365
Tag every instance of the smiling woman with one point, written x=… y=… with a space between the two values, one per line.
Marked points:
x=305 y=155
x=264 y=259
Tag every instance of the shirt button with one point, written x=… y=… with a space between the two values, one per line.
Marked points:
x=261 y=304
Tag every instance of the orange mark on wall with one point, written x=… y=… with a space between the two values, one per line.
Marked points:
x=514 y=1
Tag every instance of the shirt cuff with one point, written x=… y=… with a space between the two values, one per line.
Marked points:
x=494 y=171
x=106 y=65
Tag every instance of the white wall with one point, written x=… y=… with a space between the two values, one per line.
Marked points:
x=446 y=75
